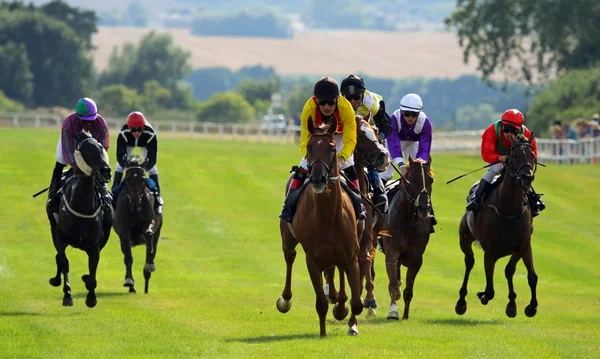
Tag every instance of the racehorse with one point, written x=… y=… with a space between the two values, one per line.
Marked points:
x=136 y=222
x=368 y=152
x=406 y=231
x=82 y=221
x=503 y=226
x=325 y=224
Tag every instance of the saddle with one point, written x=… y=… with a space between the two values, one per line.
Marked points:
x=495 y=182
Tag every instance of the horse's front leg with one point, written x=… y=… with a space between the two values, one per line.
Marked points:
x=367 y=254
x=509 y=272
x=411 y=275
x=62 y=267
x=329 y=289
x=340 y=310
x=353 y=273
x=149 y=267
x=90 y=279
x=532 y=279
x=288 y=245
x=489 y=263
x=392 y=267
x=125 y=239
x=321 y=304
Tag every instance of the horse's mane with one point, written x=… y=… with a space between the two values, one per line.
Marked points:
x=423 y=162
x=135 y=160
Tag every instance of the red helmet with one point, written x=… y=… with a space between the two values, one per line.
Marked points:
x=136 y=119
x=513 y=118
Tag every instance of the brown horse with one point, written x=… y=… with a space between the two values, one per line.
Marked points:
x=368 y=152
x=503 y=226
x=325 y=225
x=406 y=231
x=136 y=222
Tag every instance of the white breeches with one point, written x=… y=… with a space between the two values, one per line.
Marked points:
x=408 y=148
x=492 y=172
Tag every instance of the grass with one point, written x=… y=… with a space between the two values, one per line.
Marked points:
x=220 y=269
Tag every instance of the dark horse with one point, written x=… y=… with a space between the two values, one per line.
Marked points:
x=406 y=231
x=325 y=225
x=82 y=222
x=136 y=221
x=503 y=226
x=368 y=152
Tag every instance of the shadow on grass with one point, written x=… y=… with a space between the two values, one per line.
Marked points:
x=274 y=338
x=103 y=294
x=463 y=322
x=19 y=314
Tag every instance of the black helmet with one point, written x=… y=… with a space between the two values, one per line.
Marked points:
x=352 y=85
x=326 y=89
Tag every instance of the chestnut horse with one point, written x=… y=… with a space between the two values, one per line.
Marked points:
x=368 y=152
x=503 y=226
x=406 y=231
x=325 y=225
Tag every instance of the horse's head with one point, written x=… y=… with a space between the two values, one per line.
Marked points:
x=521 y=163
x=135 y=182
x=91 y=157
x=320 y=155
x=369 y=151
x=418 y=189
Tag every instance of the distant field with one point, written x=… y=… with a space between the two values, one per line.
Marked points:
x=379 y=54
x=220 y=270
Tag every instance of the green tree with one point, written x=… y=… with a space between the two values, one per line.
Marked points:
x=83 y=22
x=16 y=80
x=573 y=95
x=333 y=14
x=519 y=37
x=258 y=93
x=118 y=100
x=224 y=108
x=297 y=98
x=155 y=97
x=61 y=69
x=8 y=105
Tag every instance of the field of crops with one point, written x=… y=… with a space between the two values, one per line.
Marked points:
x=220 y=269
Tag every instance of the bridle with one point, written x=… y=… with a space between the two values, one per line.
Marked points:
x=328 y=167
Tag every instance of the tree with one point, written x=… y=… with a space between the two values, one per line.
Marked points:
x=333 y=14
x=16 y=80
x=61 y=70
x=297 y=98
x=8 y=105
x=242 y=23
x=155 y=97
x=226 y=107
x=519 y=37
x=118 y=100
x=83 y=22
x=575 y=94
x=255 y=91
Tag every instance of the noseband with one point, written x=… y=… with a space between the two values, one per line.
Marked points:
x=516 y=174
x=328 y=167
x=415 y=201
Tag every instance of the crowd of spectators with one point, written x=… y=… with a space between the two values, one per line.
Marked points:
x=579 y=129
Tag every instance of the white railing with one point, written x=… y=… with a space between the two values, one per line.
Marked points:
x=585 y=150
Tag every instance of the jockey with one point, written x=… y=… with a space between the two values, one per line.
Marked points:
x=85 y=118
x=496 y=140
x=321 y=107
x=411 y=135
x=137 y=132
x=363 y=101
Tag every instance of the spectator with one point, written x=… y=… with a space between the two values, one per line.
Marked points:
x=559 y=132
x=569 y=132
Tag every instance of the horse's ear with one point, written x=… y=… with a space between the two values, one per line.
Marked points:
x=311 y=125
x=531 y=138
x=358 y=119
x=332 y=125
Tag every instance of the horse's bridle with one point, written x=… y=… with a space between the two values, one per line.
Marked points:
x=329 y=167
x=516 y=174
x=135 y=190
x=415 y=201
x=366 y=158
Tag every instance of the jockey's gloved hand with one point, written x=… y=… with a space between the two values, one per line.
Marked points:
x=402 y=167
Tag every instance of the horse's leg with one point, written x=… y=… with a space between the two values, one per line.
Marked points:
x=411 y=275
x=366 y=262
x=532 y=279
x=62 y=267
x=509 y=272
x=90 y=279
x=149 y=267
x=353 y=273
x=288 y=245
x=393 y=272
x=466 y=246
x=128 y=260
x=330 y=290
x=340 y=310
x=317 y=281
x=489 y=262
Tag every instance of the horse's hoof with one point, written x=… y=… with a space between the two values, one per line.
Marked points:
x=371 y=313
x=511 y=310
x=393 y=315
x=132 y=290
x=530 y=311
x=91 y=301
x=128 y=283
x=55 y=282
x=67 y=302
x=353 y=330
x=370 y=303
x=85 y=277
x=283 y=306
x=460 y=309
x=484 y=300
x=340 y=313
x=149 y=267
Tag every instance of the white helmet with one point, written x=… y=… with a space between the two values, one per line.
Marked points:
x=411 y=102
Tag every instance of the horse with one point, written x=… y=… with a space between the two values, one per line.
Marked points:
x=406 y=231
x=136 y=222
x=82 y=221
x=326 y=226
x=503 y=226
x=368 y=152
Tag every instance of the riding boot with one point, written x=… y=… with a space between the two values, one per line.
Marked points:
x=291 y=200
x=380 y=199
x=55 y=186
x=432 y=220
x=159 y=199
x=535 y=202
x=480 y=194
x=357 y=203
x=116 y=188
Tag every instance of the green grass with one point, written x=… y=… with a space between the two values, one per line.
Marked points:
x=220 y=269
